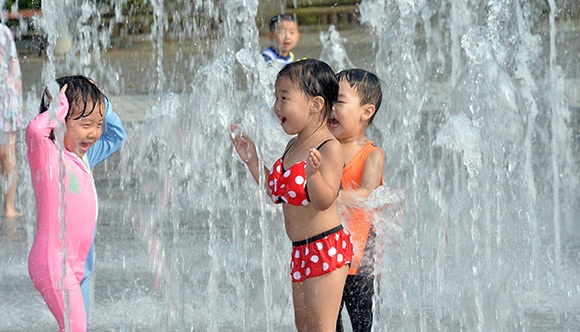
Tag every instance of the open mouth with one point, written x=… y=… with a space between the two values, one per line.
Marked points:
x=333 y=123
x=282 y=120
x=85 y=146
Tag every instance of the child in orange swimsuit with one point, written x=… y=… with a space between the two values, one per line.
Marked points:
x=306 y=180
x=359 y=98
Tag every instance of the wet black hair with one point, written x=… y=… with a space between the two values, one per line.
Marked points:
x=314 y=78
x=281 y=17
x=367 y=86
x=81 y=92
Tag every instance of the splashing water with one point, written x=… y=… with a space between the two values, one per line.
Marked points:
x=476 y=223
x=333 y=51
x=483 y=255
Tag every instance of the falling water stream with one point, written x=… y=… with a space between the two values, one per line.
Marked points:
x=478 y=219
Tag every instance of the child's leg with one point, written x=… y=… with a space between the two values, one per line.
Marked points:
x=359 y=292
x=9 y=172
x=300 y=309
x=339 y=326
x=85 y=282
x=78 y=315
x=346 y=299
x=316 y=301
x=55 y=299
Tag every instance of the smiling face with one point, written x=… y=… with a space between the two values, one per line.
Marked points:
x=285 y=36
x=348 y=116
x=83 y=132
x=291 y=106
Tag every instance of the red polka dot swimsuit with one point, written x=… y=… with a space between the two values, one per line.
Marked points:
x=289 y=186
x=320 y=254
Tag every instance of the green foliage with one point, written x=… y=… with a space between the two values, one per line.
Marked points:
x=23 y=4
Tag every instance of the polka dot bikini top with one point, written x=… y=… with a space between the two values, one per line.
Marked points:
x=289 y=186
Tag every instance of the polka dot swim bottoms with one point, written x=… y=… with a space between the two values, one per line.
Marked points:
x=321 y=254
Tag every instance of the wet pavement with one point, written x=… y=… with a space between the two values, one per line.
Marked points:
x=128 y=295
x=128 y=299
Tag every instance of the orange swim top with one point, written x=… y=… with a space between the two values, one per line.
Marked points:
x=358 y=221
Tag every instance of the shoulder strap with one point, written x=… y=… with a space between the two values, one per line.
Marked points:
x=322 y=144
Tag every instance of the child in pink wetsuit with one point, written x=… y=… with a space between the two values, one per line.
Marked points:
x=66 y=200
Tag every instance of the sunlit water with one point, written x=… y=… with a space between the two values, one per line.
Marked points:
x=480 y=209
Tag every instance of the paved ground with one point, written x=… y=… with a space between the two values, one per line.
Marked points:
x=129 y=295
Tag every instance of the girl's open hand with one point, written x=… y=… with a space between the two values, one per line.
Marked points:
x=314 y=161
x=244 y=146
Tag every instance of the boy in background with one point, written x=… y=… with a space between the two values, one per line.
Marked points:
x=359 y=98
x=284 y=35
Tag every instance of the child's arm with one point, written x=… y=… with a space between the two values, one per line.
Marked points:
x=246 y=149
x=111 y=139
x=372 y=178
x=38 y=132
x=323 y=175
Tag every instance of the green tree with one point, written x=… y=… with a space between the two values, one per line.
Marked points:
x=23 y=4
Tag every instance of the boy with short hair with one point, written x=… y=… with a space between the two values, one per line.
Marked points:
x=359 y=98
x=284 y=35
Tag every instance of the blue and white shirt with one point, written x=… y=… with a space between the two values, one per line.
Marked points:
x=270 y=54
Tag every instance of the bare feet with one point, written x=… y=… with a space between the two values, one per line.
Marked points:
x=9 y=229
x=9 y=214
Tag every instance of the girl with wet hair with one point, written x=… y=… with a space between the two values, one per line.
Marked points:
x=61 y=257
x=306 y=181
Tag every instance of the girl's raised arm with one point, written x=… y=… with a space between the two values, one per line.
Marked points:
x=111 y=139
x=39 y=128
